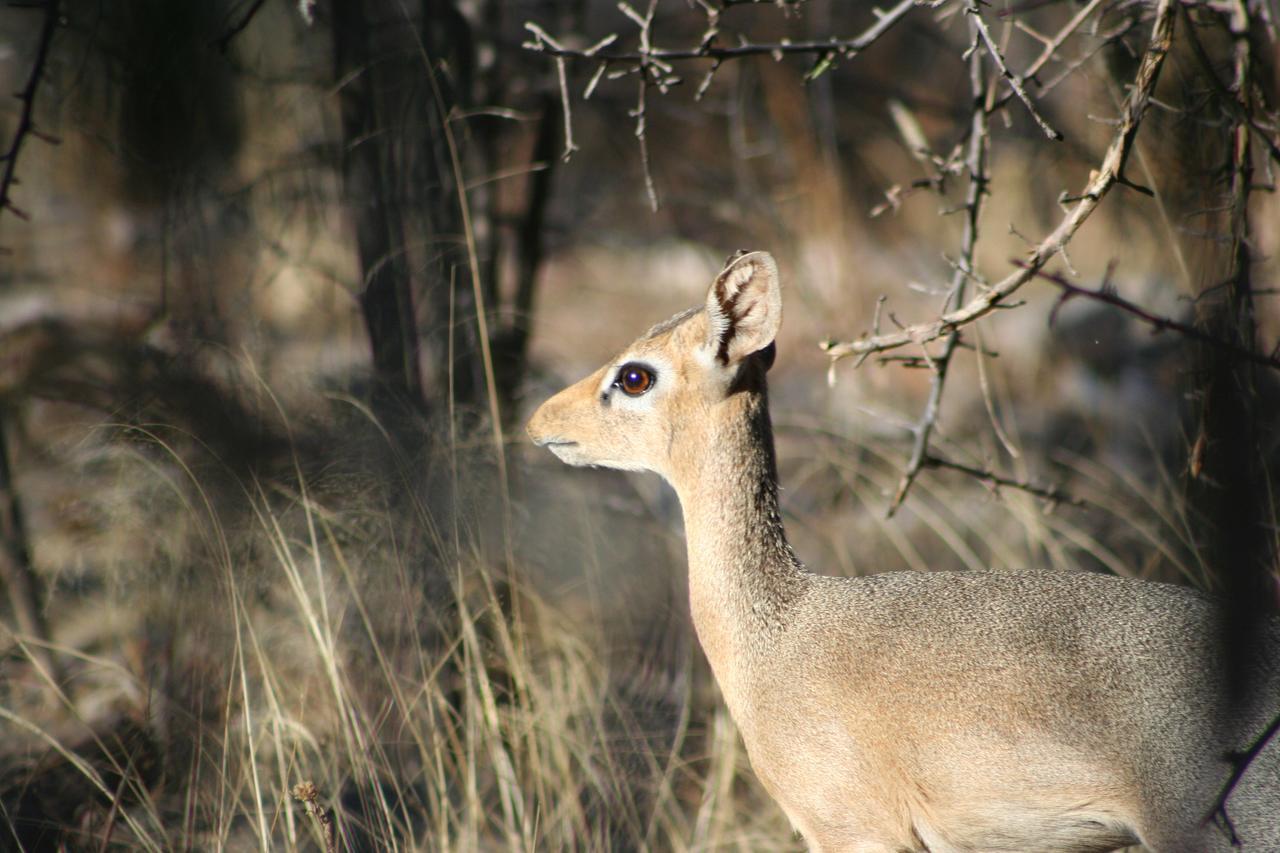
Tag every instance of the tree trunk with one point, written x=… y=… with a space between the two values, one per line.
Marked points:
x=368 y=76
x=16 y=572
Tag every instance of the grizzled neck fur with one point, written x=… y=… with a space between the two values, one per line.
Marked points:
x=743 y=575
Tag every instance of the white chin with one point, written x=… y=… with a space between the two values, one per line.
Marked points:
x=570 y=454
x=573 y=455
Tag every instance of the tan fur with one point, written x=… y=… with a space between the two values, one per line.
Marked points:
x=1012 y=711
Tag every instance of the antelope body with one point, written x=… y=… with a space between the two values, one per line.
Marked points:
x=947 y=711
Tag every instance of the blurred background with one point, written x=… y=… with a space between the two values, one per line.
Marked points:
x=282 y=281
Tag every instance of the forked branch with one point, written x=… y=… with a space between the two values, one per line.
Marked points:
x=653 y=65
x=1109 y=173
x=16 y=571
x=27 y=97
x=1240 y=763
x=976 y=157
x=1107 y=295
x=709 y=50
x=995 y=482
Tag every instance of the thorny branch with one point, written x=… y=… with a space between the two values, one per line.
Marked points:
x=956 y=312
x=648 y=69
x=709 y=50
x=1015 y=83
x=1235 y=98
x=1052 y=45
x=1241 y=586
x=996 y=482
x=1106 y=294
x=1108 y=174
x=26 y=125
x=16 y=571
x=976 y=165
x=652 y=65
x=1240 y=763
x=562 y=77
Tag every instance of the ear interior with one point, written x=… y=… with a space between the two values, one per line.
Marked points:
x=744 y=307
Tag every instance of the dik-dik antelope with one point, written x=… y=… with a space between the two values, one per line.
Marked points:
x=905 y=711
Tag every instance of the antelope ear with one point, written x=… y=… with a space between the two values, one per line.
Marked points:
x=744 y=307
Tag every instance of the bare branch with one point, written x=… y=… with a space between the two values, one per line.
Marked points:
x=976 y=165
x=1107 y=296
x=996 y=482
x=975 y=13
x=1240 y=762
x=563 y=78
x=640 y=114
x=1236 y=99
x=16 y=569
x=708 y=50
x=641 y=110
x=26 y=125
x=1051 y=46
x=1112 y=36
x=653 y=65
x=1107 y=175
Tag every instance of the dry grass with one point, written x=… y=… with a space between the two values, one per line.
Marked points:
x=365 y=623
x=379 y=647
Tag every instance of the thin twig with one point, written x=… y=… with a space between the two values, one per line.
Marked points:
x=1107 y=175
x=652 y=64
x=1235 y=99
x=843 y=48
x=976 y=164
x=26 y=125
x=1052 y=45
x=640 y=113
x=1110 y=37
x=1240 y=762
x=996 y=482
x=975 y=13
x=563 y=77
x=1106 y=294
x=16 y=569
x=988 y=399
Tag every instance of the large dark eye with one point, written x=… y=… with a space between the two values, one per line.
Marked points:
x=634 y=379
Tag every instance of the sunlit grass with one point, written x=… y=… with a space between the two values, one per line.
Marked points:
x=434 y=698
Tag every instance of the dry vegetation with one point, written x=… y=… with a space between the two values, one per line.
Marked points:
x=279 y=619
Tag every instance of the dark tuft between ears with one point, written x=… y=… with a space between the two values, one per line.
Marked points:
x=767 y=355
x=752 y=370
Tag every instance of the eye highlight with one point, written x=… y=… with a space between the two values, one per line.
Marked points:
x=634 y=379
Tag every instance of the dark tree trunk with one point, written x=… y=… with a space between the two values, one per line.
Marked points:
x=16 y=572
x=512 y=346
x=1231 y=493
x=408 y=75
x=367 y=72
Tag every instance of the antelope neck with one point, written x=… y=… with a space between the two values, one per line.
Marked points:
x=743 y=576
